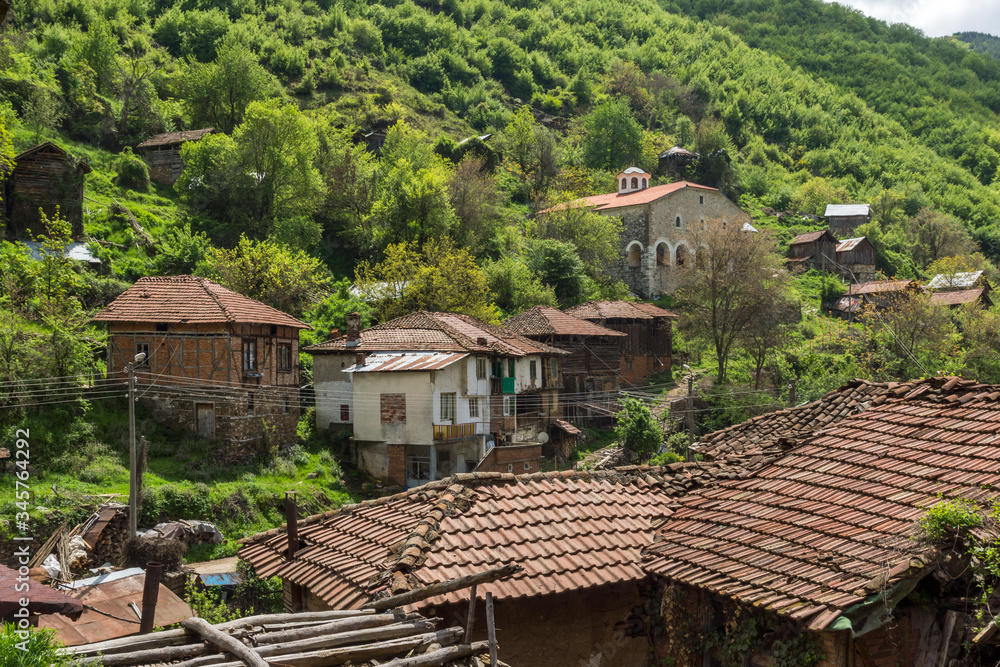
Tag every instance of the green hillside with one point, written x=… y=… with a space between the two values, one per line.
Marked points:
x=981 y=42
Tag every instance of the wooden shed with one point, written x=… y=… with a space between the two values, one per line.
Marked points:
x=45 y=177
x=856 y=259
x=162 y=153
x=814 y=249
x=843 y=218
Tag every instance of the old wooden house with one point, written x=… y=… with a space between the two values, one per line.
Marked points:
x=592 y=371
x=815 y=250
x=844 y=218
x=856 y=259
x=883 y=293
x=961 y=280
x=45 y=177
x=956 y=298
x=648 y=344
x=162 y=153
x=218 y=363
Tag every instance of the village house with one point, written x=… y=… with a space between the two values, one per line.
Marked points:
x=431 y=394
x=217 y=363
x=576 y=534
x=815 y=250
x=592 y=371
x=883 y=293
x=45 y=177
x=648 y=344
x=162 y=153
x=658 y=222
x=844 y=218
x=825 y=538
x=674 y=161
x=956 y=298
x=856 y=259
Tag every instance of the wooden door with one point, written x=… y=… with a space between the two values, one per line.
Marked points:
x=205 y=416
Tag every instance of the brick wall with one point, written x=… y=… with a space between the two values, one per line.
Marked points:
x=642 y=367
x=523 y=458
x=397 y=465
x=392 y=408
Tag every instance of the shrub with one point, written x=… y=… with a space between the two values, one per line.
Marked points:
x=636 y=428
x=41 y=649
x=950 y=517
x=132 y=171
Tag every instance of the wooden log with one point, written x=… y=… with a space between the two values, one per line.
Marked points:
x=344 y=625
x=41 y=554
x=433 y=590
x=353 y=654
x=471 y=620
x=985 y=634
x=150 y=656
x=224 y=641
x=439 y=657
x=949 y=629
x=491 y=629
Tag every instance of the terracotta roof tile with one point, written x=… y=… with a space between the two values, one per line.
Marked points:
x=190 y=300
x=639 y=197
x=175 y=137
x=957 y=297
x=546 y=320
x=811 y=531
x=881 y=286
x=610 y=310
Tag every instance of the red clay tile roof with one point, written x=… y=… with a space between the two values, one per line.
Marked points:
x=809 y=237
x=190 y=300
x=175 y=137
x=610 y=310
x=569 y=530
x=546 y=320
x=614 y=200
x=827 y=525
x=881 y=286
x=438 y=332
x=958 y=297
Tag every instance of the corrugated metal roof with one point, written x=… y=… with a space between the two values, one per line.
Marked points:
x=961 y=280
x=810 y=237
x=846 y=210
x=407 y=362
x=850 y=244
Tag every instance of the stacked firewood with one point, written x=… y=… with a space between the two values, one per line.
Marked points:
x=112 y=540
x=310 y=639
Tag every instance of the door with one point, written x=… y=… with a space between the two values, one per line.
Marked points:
x=205 y=417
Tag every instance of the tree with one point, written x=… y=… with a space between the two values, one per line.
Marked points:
x=477 y=202
x=515 y=287
x=636 y=428
x=136 y=96
x=436 y=276
x=980 y=331
x=42 y=111
x=613 y=136
x=331 y=313
x=217 y=94
x=767 y=330
x=270 y=272
x=933 y=235
x=596 y=237
x=349 y=173
x=734 y=274
x=907 y=337
x=529 y=154
x=558 y=265
x=949 y=266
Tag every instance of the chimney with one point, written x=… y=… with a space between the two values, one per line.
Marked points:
x=353 y=328
x=359 y=358
x=334 y=334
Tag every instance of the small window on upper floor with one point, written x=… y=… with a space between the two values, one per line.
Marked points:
x=554 y=369
x=634 y=256
x=345 y=412
x=701 y=199
x=644 y=186
x=533 y=369
x=162 y=326
x=142 y=348
x=481 y=368
x=249 y=354
x=448 y=406
x=284 y=360
x=624 y=183
x=635 y=182
x=510 y=368
x=677 y=221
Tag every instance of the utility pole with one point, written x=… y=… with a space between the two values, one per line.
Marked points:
x=690 y=415
x=133 y=501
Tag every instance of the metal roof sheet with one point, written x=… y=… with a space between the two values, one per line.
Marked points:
x=407 y=362
x=846 y=210
x=850 y=244
x=960 y=280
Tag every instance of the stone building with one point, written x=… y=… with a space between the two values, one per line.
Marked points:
x=657 y=226
x=217 y=363
x=429 y=394
x=45 y=177
x=162 y=153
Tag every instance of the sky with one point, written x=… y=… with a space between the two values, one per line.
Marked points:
x=935 y=17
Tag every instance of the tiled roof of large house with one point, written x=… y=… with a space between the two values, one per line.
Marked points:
x=611 y=310
x=826 y=528
x=546 y=321
x=568 y=530
x=437 y=332
x=614 y=200
x=190 y=300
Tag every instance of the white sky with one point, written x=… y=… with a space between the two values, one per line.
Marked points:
x=935 y=17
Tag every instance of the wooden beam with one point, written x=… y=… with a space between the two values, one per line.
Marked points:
x=434 y=590
x=491 y=629
x=440 y=657
x=470 y=621
x=224 y=641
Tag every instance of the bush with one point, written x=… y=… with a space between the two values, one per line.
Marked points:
x=948 y=518
x=636 y=428
x=132 y=171
x=38 y=649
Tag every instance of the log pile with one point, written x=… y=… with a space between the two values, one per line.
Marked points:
x=309 y=639
x=111 y=542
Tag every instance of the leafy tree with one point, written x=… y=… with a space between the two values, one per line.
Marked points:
x=909 y=337
x=477 y=201
x=43 y=111
x=949 y=266
x=595 y=236
x=558 y=265
x=180 y=251
x=613 y=137
x=349 y=173
x=768 y=331
x=734 y=275
x=270 y=272
x=934 y=235
x=436 y=276
x=530 y=157
x=217 y=94
x=636 y=428
x=515 y=286
x=980 y=332
x=331 y=313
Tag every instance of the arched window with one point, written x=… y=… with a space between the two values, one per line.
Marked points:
x=624 y=183
x=662 y=255
x=634 y=256
x=677 y=221
x=635 y=182
x=644 y=184
x=682 y=256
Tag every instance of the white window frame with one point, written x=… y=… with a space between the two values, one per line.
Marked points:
x=474 y=407
x=448 y=406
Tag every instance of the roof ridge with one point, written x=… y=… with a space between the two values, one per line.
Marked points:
x=214 y=297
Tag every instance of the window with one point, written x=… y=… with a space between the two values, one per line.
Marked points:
x=498 y=369
x=447 y=407
x=284 y=357
x=681 y=256
x=142 y=348
x=662 y=255
x=628 y=363
x=644 y=184
x=481 y=368
x=345 y=412
x=284 y=406
x=677 y=221
x=250 y=403
x=510 y=368
x=527 y=465
x=634 y=255
x=507 y=407
x=554 y=368
x=161 y=326
x=624 y=183
x=635 y=182
x=533 y=369
x=510 y=467
x=249 y=354
x=701 y=199
x=474 y=407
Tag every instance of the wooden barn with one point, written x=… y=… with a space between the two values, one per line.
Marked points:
x=815 y=250
x=45 y=177
x=162 y=153
x=844 y=218
x=856 y=259
x=217 y=362
x=592 y=369
x=648 y=345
